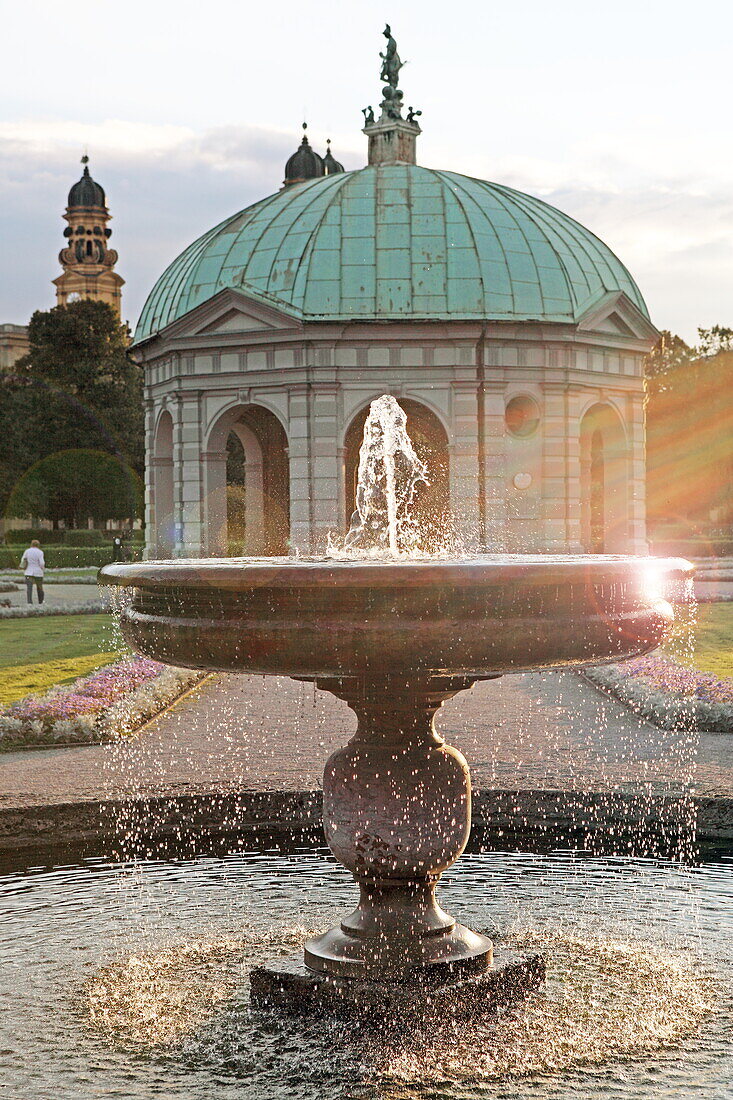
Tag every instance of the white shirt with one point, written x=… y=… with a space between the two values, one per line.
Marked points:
x=35 y=564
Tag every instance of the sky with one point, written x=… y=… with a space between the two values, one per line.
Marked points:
x=618 y=114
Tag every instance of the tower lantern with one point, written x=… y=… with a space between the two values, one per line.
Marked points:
x=87 y=261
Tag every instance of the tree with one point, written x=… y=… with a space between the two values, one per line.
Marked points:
x=669 y=352
x=76 y=390
x=689 y=418
x=74 y=485
x=715 y=340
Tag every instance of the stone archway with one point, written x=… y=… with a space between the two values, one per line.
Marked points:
x=247 y=484
x=164 y=523
x=604 y=479
x=430 y=440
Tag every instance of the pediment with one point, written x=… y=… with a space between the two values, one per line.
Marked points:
x=230 y=312
x=614 y=314
x=237 y=320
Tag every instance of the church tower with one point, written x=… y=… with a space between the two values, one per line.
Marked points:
x=87 y=261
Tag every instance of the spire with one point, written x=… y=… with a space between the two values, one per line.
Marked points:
x=305 y=164
x=392 y=138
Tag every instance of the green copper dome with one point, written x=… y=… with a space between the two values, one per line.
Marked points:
x=394 y=242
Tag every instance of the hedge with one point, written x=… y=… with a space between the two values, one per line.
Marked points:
x=82 y=537
x=59 y=557
x=692 y=548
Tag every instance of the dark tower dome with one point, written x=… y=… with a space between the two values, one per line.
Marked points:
x=330 y=164
x=305 y=164
x=86 y=192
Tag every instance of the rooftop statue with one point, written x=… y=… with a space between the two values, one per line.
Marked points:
x=391 y=63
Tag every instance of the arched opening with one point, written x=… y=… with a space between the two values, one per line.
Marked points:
x=248 y=484
x=429 y=438
x=604 y=482
x=163 y=518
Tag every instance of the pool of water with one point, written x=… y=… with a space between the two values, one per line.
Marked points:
x=129 y=980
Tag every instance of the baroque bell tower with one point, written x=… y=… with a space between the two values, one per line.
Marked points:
x=87 y=261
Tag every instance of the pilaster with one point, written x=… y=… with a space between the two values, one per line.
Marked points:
x=494 y=464
x=464 y=463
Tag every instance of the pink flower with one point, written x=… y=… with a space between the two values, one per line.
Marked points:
x=91 y=695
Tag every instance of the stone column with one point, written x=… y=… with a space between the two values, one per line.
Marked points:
x=555 y=496
x=150 y=519
x=187 y=479
x=635 y=427
x=325 y=464
x=495 y=467
x=214 y=480
x=301 y=501
x=578 y=474
x=464 y=462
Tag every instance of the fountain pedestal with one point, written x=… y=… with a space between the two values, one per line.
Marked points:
x=397 y=813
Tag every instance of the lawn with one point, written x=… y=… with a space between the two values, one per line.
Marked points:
x=36 y=654
x=713 y=650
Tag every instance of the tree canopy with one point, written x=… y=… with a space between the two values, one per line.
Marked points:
x=690 y=432
x=75 y=485
x=76 y=391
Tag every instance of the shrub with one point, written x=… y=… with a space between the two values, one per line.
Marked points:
x=65 y=557
x=25 y=534
x=86 y=538
x=692 y=548
x=82 y=537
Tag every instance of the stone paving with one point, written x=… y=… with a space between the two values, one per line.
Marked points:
x=235 y=732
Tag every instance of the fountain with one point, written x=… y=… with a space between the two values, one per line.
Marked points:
x=395 y=633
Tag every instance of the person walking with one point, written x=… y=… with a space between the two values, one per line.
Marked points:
x=34 y=564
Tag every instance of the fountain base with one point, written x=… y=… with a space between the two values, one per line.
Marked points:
x=433 y=993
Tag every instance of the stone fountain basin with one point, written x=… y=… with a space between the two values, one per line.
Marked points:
x=316 y=618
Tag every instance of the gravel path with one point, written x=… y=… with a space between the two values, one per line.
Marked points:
x=54 y=594
x=526 y=732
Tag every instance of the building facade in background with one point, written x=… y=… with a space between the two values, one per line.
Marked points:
x=512 y=336
x=13 y=345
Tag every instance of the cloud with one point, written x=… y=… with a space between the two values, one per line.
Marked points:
x=671 y=225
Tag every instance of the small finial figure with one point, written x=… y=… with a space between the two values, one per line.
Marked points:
x=412 y=114
x=368 y=113
x=85 y=159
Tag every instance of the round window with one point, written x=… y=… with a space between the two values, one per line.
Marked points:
x=522 y=416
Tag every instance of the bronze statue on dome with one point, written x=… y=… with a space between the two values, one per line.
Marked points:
x=391 y=63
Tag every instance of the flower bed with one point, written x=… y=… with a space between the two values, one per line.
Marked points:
x=668 y=694
x=109 y=704
x=31 y=610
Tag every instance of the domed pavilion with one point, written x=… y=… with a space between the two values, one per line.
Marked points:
x=511 y=335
